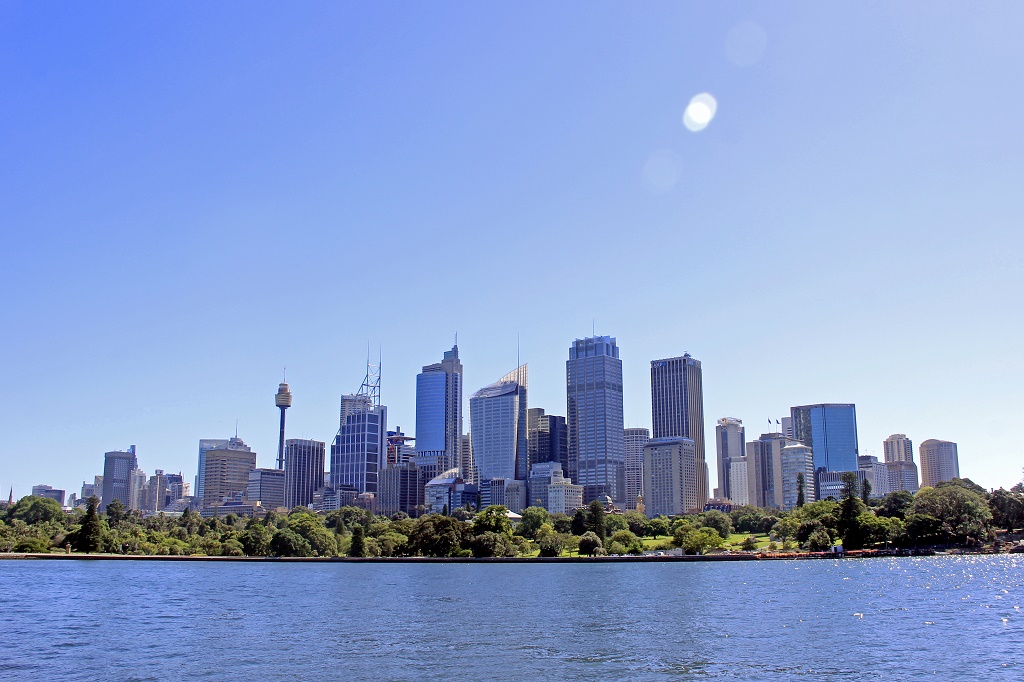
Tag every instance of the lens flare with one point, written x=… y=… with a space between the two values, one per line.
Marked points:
x=699 y=112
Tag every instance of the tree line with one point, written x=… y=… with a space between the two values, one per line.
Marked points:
x=959 y=512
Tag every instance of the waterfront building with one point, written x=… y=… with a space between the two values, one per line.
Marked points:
x=399 y=490
x=594 y=418
x=875 y=473
x=118 y=466
x=266 y=487
x=738 y=481
x=939 y=462
x=497 y=415
x=359 y=449
x=439 y=389
x=670 y=471
x=898 y=448
x=796 y=458
x=205 y=445
x=730 y=442
x=303 y=470
x=764 y=470
x=830 y=430
x=52 y=493
x=677 y=411
x=634 y=440
x=901 y=476
x=547 y=438
x=226 y=474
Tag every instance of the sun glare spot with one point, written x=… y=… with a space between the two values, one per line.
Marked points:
x=699 y=112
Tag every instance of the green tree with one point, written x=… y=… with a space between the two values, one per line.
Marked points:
x=819 y=541
x=311 y=528
x=786 y=528
x=590 y=543
x=288 y=543
x=438 y=535
x=718 y=520
x=1007 y=509
x=256 y=540
x=637 y=523
x=533 y=519
x=701 y=540
x=629 y=542
x=895 y=505
x=561 y=522
x=493 y=519
x=578 y=525
x=33 y=510
x=657 y=526
x=551 y=545
x=491 y=544
x=800 y=500
x=865 y=491
x=89 y=537
x=963 y=513
x=115 y=513
x=595 y=520
x=232 y=547
x=749 y=544
x=357 y=548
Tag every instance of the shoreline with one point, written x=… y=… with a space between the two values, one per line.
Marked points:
x=29 y=556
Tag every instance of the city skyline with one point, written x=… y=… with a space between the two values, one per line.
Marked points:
x=179 y=206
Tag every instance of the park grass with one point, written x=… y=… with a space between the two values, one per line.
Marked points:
x=735 y=541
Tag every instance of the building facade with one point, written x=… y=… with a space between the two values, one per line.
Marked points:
x=738 y=481
x=359 y=450
x=677 y=410
x=303 y=470
x=226 y=476
x=439 y=390
x=898 y=448
x=875 y=473
x=399 y=490
x=266 y=486
x=797 y=461
x=547 y=438
x=764 y=470
x=634 y=440
x=939 y=462
x=50 y=492
x=118 y=466
x=670 y=471
x=498 y=432
x=594 y=418
x=205 y=445
x=901 y=476
x=730 y=442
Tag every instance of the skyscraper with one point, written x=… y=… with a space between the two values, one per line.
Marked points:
x=266 y=486
x=226 y=474
x=939 y=462
x=677 y=409
x=900 y=469
x=303 y=470
x=730 y=441
x=594 y=416
x=830 y=430
x=360 y=447
x=205 y=445
x=796 y=458
x=670 y=474
x=439 y=412
x=118 y=466
x=764 y=470
x=497 y=416
x=898 y=448
x=547 y=438
x=634 y=440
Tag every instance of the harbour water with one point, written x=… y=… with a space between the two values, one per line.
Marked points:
x=890 y=619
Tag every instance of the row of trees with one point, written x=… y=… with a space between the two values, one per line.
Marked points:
x=958 y=512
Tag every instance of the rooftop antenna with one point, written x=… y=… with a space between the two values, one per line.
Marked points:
x=236 y=428
x=593 y=327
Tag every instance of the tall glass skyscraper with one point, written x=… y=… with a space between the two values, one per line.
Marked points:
x=548 y=438
x=497 y=415
x=439 y=412
x=117 y=472
x=359 y=449
x=593 y=381
x=731 y=442
x=303 y=470
x=677 y=410
x=830 y=430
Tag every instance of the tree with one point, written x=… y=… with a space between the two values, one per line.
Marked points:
x=865 y=491
x=963 y=513
x=595 y=519
x=659 y=525
x=637 y=523
x=786 y=528
x=493 y=519
x=89 y=537
x=312 y=529
x=590 y=543
x=115 y=512
x=1007 y=509
x=718 y=520
x=578 y=525
x=256 y=540
x=492 y=544
x=438 y=535
x=749 y=544
x=701 y=540
x=630 y=543
x=533 y=519
x=800 y=489
x=819 y=540
x=33 y=510
x=896 y=504
x=551 y=545
x=357 y=548
x=288 y=543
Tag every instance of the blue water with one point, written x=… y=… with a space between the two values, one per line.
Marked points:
x=901 y=618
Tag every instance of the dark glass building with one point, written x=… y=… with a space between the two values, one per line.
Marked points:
x=830 y=430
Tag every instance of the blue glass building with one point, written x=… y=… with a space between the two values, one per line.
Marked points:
x=439 y=413
x=497 y=415
x=830 y=430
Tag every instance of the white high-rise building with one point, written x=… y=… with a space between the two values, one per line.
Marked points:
x=730 y=442
x=634 y=440
x=939 y=462
x=497 y=415
x=875 y=473
x=796 y=458
x=738 y=481
x=670 y=474
x=898 y=448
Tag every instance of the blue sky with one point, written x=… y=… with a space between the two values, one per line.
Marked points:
x=194 y=196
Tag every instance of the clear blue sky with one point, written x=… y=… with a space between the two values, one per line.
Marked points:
x=194 y=195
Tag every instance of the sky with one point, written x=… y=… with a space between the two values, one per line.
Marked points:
x=194 y=196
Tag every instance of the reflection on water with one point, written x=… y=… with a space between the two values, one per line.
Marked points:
x=899 y=618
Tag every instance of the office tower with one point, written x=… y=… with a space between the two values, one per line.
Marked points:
x=226 y=472
x=738 y=481
x=497 y=415
x=547 y=438
x=764 y=470
x=136 y=489
x=399 y=448
x=399 y=490
x=50 y=492
x=634 y=440
x=466 y=457
x=593 y=375
x=898 y=448
x=795 y=459
x=677 y=409
x=831 y=483
x=670 y=475
x=830 y=430
x=117 y=472
x=154 y=496
x=510 y=493
x=283 y=400
x=901 y=476
x=205 y=445
x=176 y=488
x=730 y=441
x=266 y=486
x=787 y=428
x=360 y=448
x=439 y=412
x=939 y=462
x=549 y=488
x=303 y=470
x=90 y=490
